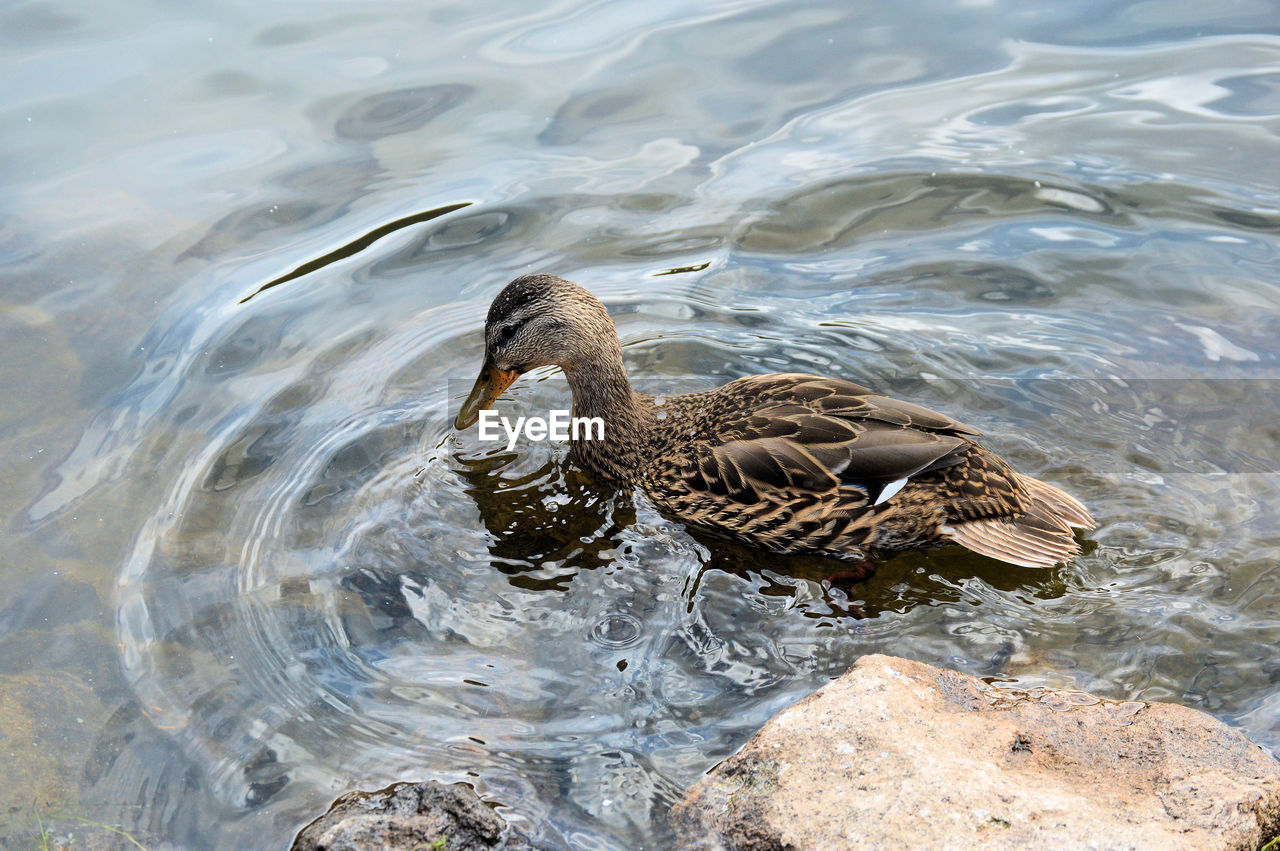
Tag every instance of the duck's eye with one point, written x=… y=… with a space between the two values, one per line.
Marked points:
x=505 y=333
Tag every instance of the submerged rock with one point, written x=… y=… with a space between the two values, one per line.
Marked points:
x=901 y=754
x=411 y=816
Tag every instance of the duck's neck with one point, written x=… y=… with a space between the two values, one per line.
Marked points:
x=601 y=390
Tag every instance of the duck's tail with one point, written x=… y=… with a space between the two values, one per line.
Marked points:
x=1039 y=538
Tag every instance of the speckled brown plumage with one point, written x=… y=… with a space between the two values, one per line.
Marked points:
x=789 y=462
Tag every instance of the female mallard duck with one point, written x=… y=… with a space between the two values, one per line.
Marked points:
x=792 y=463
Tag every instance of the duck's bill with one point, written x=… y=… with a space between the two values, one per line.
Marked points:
x=488 y=387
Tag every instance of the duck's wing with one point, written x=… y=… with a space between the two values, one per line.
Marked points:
x=798 y=463
x=803 y=434
x=843 y=399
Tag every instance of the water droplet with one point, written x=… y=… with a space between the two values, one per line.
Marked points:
x=662 y=415
x=616 y=630
x=660 y=401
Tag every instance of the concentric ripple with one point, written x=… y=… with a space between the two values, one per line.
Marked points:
x=336 y=589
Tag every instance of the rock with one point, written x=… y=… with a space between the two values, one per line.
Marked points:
x=422 y=816
x=47 y=719
x=901 y=754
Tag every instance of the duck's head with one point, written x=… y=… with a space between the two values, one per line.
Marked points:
x=537 y=320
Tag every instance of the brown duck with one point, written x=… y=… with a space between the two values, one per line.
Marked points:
x=790 y=462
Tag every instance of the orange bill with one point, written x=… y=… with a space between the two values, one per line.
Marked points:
x=488 y=387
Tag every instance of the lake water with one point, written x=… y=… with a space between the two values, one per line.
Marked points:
x=245 y=255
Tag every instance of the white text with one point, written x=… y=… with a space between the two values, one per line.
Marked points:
x=560 y=425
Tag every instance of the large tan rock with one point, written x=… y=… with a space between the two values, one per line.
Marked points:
x=899 y=754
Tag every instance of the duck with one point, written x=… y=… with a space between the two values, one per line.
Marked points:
x=791 y=463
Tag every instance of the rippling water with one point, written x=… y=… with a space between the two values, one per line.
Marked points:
x=246 y=258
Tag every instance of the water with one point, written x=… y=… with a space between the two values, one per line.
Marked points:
x=246 y=256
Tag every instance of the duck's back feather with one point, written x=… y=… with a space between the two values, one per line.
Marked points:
x=800 y=463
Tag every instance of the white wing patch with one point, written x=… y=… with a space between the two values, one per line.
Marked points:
x=889 y=490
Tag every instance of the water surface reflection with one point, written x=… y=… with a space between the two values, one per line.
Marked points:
x=250 y=564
